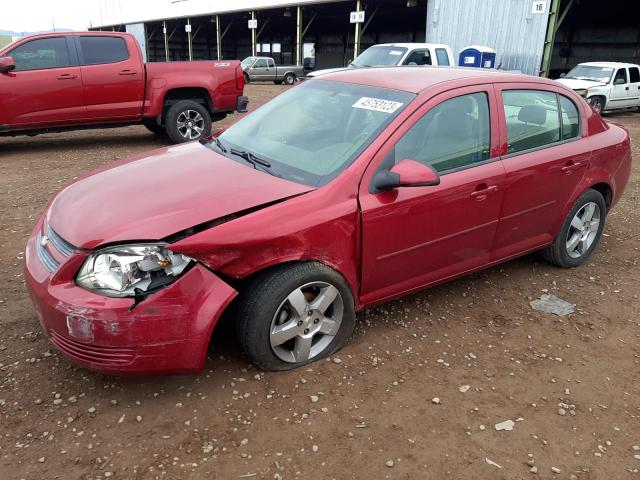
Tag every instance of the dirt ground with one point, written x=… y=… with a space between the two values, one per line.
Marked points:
x=368 y=413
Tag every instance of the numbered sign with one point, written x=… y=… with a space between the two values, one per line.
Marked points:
x=357 y=17
x=187 y=28
x=539 y=6
x=253 y=24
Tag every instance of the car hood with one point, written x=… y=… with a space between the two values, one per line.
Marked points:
x=159 y=193
x=575 y=84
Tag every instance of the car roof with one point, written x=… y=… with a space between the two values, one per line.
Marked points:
x=609 y=64
x=412 y=45
x=414 y=79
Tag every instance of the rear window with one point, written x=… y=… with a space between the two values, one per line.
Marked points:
x=634 y=75
x=97 y=50
x=442 y=56
x=532 y=119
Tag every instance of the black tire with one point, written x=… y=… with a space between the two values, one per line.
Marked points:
x=289 y=79
x=267 y=295
x=558 y=253
x=183 y=110
x=153 y=127
x=598 y=104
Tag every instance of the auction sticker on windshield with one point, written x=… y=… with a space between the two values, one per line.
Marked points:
x=377 y=105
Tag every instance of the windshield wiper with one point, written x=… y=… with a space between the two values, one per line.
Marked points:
x=250 y=157
x=220 y=145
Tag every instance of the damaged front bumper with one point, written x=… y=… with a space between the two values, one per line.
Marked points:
x=167 y=332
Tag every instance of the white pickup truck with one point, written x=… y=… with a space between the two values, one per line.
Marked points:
x=391 y=54
x=606 y=85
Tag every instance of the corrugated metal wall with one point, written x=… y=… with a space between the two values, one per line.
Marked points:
x=508 y=26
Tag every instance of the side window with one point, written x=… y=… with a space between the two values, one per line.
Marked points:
x=532 y=119
x=621 y=76
x=418 y=57
x=634 y=75
x=271 y=63
x=570 y=118
x=442 y=56
x=40 y=54
x=451 y=135
x=261 y=63
x=98 y=50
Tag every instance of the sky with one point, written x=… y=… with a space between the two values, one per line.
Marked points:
x=36 y=15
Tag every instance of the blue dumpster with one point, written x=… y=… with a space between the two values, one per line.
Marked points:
x=477 y=56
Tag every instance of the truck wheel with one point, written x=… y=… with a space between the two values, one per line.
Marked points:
x=289 y=79
x=295 y=315
x=580 y=232
x=155 y=128
x=186 y=121
x=597 y=103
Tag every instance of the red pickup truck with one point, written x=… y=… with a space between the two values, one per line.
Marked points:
x=62 y=81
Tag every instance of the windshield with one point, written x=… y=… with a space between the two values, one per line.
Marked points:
x=312 y=132
x=379 y=56
x=247 y=62
x=589 y=72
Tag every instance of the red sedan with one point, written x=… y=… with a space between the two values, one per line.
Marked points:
x=345 y=191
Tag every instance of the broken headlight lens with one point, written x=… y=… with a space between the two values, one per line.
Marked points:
x=129 y=270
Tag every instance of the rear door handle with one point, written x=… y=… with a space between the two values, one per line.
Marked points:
x=482 y=193
x=571 y=167
x=127 y=72
x=67 y=76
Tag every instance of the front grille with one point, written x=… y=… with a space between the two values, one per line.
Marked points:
x=106 y=356
x=45 y=257
x=64 y=247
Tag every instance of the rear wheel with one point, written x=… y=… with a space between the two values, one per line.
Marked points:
x=289 y=79
x=295 y=315
x=187 y=120
x=580 y=232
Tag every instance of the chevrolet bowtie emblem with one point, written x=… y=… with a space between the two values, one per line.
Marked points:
x=44 y=240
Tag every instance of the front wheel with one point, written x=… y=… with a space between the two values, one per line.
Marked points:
x=598 y=104
x=580 y=232
x=186 y=121
x=295 y=315
x=289 y=79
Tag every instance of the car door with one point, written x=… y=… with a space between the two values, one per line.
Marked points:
x=633 y=94
x=112 y=78
x=260 y=70
x=545 y=162
x=619 y=96
x=45 y=88
x=271 y=71
x=416 y=236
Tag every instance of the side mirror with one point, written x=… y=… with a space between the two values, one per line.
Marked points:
x=405 y=173
x=6 y=64
x=562 y=75
x=619 y=81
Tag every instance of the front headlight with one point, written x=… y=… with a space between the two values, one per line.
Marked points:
x=128 y=270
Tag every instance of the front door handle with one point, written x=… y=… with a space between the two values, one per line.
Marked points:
x=482 y=192
x=127 y=72
x=67 y=76
x=626 y=88
x=570 y=167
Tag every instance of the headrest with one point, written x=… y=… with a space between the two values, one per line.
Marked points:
x=534 y=114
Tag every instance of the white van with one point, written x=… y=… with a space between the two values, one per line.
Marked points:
x=391 y=54
x=606 y=85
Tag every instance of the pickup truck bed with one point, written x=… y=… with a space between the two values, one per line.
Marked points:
x=61 y=81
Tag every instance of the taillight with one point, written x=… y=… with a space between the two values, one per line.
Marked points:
x=239 y=78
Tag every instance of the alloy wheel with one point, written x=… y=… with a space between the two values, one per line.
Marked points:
x=306 y=322
x=583 y=230
x=190 y=124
